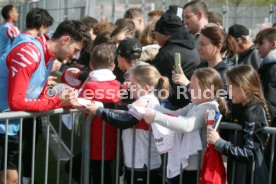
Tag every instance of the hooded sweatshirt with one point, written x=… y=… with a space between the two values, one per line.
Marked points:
x=182 y=43
x=267 y=73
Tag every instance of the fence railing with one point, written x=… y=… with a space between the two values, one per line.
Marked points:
x=7 y=116
x=85 y=170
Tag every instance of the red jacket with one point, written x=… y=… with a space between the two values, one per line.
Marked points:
x=22 y=62
x=108 y=93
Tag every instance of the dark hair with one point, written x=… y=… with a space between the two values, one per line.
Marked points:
x=197 y=6
x=38 y=17
x=76 y=30
x=102 y=56
x=124 y=22
x=129 y=28
x=247 y=79
x=103 y=38
x=132 y=13
x=84 y=58
x=90 y=22
x=219 y=36
x=215 y=17
x=6 y=10
x=269 y=34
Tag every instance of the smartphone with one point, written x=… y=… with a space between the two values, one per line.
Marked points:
x=214 y=118
x=177 y=62
x=217 y=120
x=211 y=117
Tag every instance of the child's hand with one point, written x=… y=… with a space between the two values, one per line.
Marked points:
x=92 y=108
x=56 y=66
x=79 y=107
x=149 y=116
x=181 y=78
x=212 y=135
x=68 y=97
x=52 y=81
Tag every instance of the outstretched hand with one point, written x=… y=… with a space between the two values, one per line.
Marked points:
x=68 y=97
x=92 y=108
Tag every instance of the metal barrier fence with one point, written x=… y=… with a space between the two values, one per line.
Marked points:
x=85 y=171
x=21 y=115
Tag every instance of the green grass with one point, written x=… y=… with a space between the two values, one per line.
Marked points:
x=52 y=165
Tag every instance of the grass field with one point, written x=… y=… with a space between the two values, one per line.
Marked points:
x=52 y=165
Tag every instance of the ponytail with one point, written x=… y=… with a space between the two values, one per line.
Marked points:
x=223 y=107
x=259 y=97
x=149 y=75
x=219 y=37
x=163 y=87
x=231 y=46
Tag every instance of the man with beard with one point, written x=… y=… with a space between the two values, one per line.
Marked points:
x=24 y=71
x=8 y=31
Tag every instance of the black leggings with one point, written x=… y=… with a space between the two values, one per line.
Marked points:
x=188 y=177
x=95 y=169
x=27 y=136
x=96 y=166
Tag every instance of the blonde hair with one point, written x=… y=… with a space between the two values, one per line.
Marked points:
x=147 y=36
x=247 y=79
x=149 y=75
x=208 y=77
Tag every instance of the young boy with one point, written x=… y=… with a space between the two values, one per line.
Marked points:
x=102 y=87
x=8 y=31
x=266 y=44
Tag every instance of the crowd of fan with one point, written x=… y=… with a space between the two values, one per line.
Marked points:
x=101 y=59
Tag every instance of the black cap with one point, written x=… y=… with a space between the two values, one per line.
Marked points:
x=175 y=9
x=130 y=48
x=238 y=31
x=169 y=24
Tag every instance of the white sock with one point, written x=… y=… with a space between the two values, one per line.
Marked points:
x=26 y=180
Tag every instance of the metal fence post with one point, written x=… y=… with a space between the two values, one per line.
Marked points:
x=103 y=152
x=149 y=155
x=165 y=160
x=126 y=4
x=86 y=150
x=47 y=150
x=6 y=151
x=71 y=148
x=33 y=150
x=113 y=15
x=59 y=146
x=118 y=155
x=133 y=154
x=271 y=159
